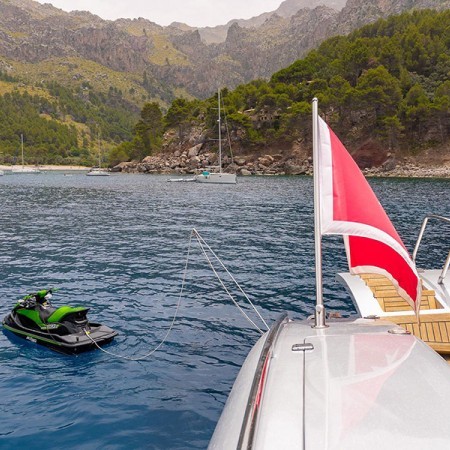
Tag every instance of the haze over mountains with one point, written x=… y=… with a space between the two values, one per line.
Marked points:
x=147 y=61
x=286 y=10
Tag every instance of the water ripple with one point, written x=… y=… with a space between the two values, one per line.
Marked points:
x=118 y=245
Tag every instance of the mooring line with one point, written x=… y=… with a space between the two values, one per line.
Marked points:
x=140 y=358
x=202 y=243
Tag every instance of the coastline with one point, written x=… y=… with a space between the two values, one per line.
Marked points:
x=407 y=171
x=49 y=168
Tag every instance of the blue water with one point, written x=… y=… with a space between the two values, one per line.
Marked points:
x=119 y=246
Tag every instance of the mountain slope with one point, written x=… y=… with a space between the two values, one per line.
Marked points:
x=384 y=89
x=160 y=63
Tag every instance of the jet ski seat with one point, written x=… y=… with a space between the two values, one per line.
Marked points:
x=45 y=312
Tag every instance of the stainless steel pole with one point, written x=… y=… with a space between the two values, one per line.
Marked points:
x=320 y=309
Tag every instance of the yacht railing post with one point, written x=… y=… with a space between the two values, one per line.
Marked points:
x=444 y=269
x=419 y=240
x=320 y=309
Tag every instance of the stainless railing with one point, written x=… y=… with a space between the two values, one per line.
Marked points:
x=251 y=413
x=419 y=240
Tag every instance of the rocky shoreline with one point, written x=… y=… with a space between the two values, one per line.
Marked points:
x=191 y=162
x=185 y=163
x=410 y=171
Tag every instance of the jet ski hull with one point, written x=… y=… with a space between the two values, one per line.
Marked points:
x=73 y=343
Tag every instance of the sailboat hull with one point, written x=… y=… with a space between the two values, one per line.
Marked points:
x=98 y=173
x=217 y=178
x=25 y=170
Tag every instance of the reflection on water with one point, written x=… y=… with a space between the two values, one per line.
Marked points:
x=118 y=245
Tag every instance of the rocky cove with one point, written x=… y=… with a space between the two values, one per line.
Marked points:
x=295 y=159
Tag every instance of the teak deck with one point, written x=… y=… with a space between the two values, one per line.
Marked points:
x=433 y=329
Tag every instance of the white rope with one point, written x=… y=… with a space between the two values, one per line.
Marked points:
x=202 y=244
x=140 y=358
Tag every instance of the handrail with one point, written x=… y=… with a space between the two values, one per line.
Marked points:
x=251 y=412
x=419 y=240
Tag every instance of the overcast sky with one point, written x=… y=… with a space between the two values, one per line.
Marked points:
x=197 y=13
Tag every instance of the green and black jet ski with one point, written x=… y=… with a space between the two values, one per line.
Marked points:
x=64 y=329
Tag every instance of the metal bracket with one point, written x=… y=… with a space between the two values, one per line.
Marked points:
x=399 y=330
x=302 y=347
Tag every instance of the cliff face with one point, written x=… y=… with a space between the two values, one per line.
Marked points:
x=177 y=57
x=27 y=38
x=287 y=9
x=357 y=13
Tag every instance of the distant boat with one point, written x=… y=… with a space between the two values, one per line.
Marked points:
x=181 y=180
x=217 y=177
x=98 y=171
x=22 y=168
x=2 y=173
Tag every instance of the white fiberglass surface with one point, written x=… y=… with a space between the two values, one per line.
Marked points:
x=375 y=390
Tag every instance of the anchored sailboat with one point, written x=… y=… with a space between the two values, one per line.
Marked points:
x=23 y=168
x=98 y=171
x=347 y=385
x=217 y=177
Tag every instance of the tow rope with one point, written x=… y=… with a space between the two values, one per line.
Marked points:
x=205 y=248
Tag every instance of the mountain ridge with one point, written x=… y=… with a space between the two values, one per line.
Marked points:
x=161 y=63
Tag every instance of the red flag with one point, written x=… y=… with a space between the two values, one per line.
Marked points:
x=349 y=207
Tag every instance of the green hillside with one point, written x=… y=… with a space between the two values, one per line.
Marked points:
x=60 y=125
x=389 y=79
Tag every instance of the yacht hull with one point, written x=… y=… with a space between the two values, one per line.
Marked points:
x=351 y=385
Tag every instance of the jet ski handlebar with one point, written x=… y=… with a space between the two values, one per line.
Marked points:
x=30 y=300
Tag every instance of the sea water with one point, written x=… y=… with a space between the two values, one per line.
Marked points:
x=119 y=245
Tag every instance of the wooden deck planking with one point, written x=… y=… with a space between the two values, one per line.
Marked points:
x=433 y=329
x=444 y=332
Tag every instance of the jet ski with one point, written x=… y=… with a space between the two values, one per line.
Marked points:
x=65 y=329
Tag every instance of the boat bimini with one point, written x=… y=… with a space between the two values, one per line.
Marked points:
x=65 y=329
x=342 y=384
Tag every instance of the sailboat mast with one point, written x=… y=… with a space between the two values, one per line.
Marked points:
x=99 y=151
x=220 y=134
x=320 y=308
x=21 y=143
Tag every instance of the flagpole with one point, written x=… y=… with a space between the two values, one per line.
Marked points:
x=320 y=309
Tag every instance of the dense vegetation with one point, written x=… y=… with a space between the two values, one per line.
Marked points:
x=388 y=81
x=60 y=126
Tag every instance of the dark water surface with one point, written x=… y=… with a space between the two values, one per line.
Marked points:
x=119 y=245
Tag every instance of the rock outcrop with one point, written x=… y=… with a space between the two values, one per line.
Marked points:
x=197 y=152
